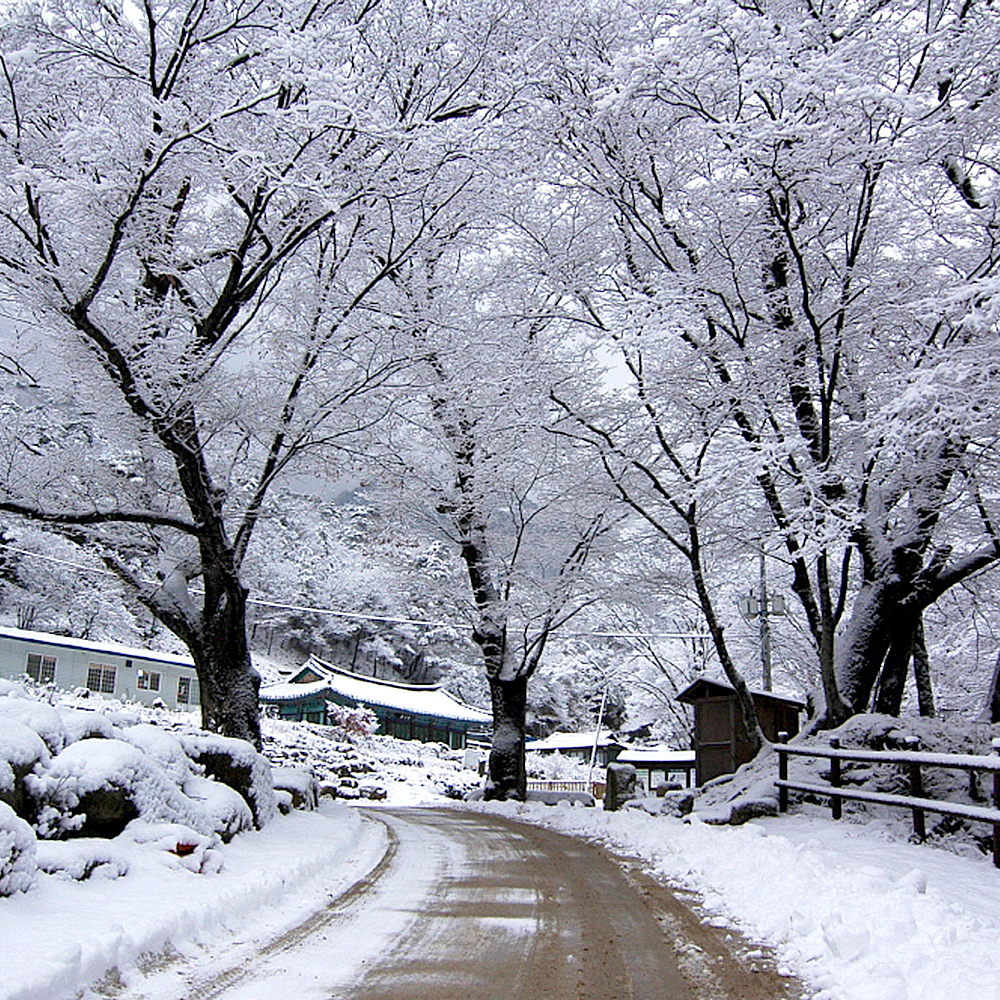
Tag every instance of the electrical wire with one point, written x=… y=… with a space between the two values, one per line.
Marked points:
x=355 y=615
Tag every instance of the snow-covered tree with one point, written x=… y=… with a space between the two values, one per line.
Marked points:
x=792 y=210
x=475 y=447
x=198 y=200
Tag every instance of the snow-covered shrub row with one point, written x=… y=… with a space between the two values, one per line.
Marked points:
x=102 y=772
x=557 y=767
x=355 y=766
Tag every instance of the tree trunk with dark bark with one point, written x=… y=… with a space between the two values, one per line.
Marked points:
x=229 y=683
x=892 y=677
x=922 y=672
x=507 y=778
x=864 y=645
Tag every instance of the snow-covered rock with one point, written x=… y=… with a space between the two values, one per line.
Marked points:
x=300 y=783
x=182 y=846
x=235 y=763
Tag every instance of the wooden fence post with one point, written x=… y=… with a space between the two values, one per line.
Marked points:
x=996 y=805
x=835 y=800
x=782 y=776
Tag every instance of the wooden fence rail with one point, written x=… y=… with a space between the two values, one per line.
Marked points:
x=596 y=788
x=916 y=801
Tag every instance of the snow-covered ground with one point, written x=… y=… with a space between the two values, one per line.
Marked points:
x=851 y=908
x=65 y=936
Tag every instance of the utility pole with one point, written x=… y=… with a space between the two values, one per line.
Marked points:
x=765 y=626
x=761 y=606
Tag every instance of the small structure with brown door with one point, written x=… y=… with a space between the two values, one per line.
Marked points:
x=720 y=739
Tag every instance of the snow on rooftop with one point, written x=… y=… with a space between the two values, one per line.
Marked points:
x=25 y=635
x=417 y=699
x=724 y=683
x=656 y=755
x=571 y=741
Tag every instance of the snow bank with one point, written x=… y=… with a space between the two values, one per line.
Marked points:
x=66 y=934
x=79 y=859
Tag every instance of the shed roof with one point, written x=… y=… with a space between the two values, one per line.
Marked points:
x=647 y=756
x=415 y=699
x=571 y=741
x=710 y=687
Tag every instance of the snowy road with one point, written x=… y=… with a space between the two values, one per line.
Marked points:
x=464 y=905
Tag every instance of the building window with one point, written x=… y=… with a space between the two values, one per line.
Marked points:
x=41 y=668
x=147 y=680
x=183 y=690
x=101 y=678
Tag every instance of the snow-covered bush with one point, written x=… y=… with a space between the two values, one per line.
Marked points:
x=81 y=724
x=300 y=783
x=349 y=722
x=21 y=751
x=96 y=787
x=227 y=809
x=76 y=860
x=235 y=763
x=17 y=853
x=555 y=767
x=163 y=747
x=43 y=718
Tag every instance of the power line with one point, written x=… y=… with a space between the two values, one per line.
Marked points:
x=355 y=615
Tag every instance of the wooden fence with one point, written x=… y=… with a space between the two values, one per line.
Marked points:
x=596 y=788
x=916 y=801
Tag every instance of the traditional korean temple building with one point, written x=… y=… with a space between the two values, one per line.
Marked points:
x=424 y=712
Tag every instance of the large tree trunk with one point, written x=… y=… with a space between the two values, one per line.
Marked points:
x=507 y=778
x=922 y=672
x=864 y=645
x=892 y=677
x=229 y=683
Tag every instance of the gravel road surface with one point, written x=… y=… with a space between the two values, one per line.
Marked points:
x=472 y=906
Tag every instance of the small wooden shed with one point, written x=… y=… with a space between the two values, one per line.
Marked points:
x=720 y=739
